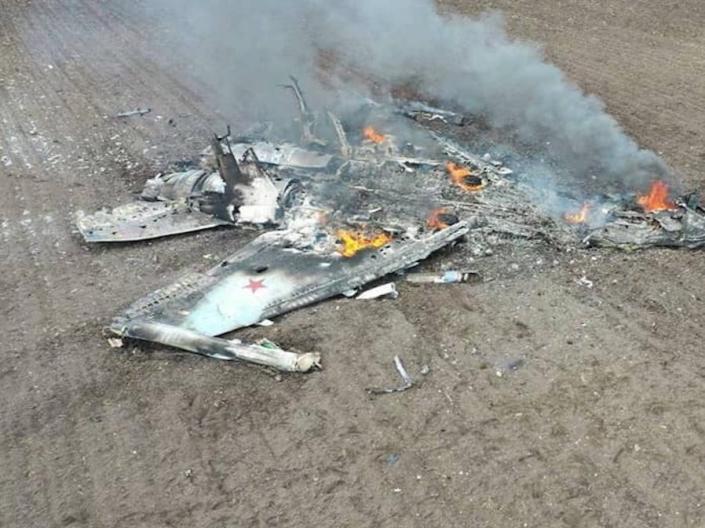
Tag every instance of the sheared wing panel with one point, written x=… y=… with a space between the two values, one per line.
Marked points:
x=266 y=279
x=143 y=221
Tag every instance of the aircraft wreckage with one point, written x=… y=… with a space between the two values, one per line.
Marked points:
x=340 y=214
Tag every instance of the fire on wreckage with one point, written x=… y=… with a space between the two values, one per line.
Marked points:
x=336 y=222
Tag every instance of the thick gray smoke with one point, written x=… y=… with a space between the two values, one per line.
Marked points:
x=247 y=47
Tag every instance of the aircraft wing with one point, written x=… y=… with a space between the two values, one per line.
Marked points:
x=265 y=279
x=143 y=221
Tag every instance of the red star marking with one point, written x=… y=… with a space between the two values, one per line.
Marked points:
x=255 y=285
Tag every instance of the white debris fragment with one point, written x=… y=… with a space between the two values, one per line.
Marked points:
x=584 y=281
x=6 y=161
x=115 y=342
x=385 y=290
x=265 y=322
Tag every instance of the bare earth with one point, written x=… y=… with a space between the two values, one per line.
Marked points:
x=602 y=424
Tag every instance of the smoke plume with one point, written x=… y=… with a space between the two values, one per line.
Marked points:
x=246 y=48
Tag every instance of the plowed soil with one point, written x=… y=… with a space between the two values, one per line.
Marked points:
x=547 y=402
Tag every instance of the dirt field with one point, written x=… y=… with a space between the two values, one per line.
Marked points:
x=601 y=424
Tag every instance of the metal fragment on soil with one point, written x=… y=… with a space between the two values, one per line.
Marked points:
x=407 y=381
x=444 y=277
x=384 y=290
x=136 y=112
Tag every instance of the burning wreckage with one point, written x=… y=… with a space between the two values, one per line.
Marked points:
x=335 y=221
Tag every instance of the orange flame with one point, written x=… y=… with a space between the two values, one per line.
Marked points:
x=463 y=177
x=371 y=134
x=434 y=220
x=657 y=199
x=579 y=217
x=354 y=241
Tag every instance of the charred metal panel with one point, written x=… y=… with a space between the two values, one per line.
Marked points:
x=143 y=221
x=267 y=278
x=681 y=229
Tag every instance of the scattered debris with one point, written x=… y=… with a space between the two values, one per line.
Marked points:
x=136 y=112
x=584 y=281
x=421 y=111
x=184 y=202
x=344 y=207
x=385 y=290
x=392 y=458
x=510 y=366
x=115 y=342
x=514 y=364
x=408 y=382
x=308 y=119
x=445 y=277
x=628 y=229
